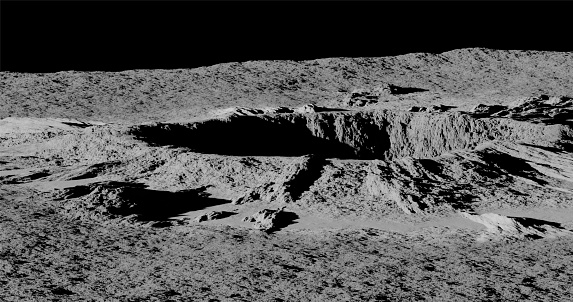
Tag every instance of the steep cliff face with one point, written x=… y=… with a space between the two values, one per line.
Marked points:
x=352 y=135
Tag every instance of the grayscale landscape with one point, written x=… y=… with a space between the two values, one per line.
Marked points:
x=419 y=177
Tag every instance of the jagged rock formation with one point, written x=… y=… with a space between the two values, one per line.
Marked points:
x=481 y=109
x=121 y=202
x=361 y=97
x=541 y=109
x=213 y=215
x=460 y=179
x=244 y=111
x=265 y=219
x=380 y=134
x=416 y=186
x=15 y=131
x=295 y=179
x=501 y=227
x=100 y=201
x=431 y=109
x=364 y=96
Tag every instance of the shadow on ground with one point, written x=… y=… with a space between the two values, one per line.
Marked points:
x=19 y=179
x=406 y=90
x=536 y=223
x=283 y=220
x=123 y=199
x=247 y=136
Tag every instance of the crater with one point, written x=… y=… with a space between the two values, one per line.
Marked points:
x=382 y=134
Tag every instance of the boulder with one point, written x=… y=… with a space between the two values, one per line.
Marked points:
x=265 y=219
x=486 y=109
x=210 y=216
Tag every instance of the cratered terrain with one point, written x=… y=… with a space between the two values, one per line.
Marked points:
x=438 y=177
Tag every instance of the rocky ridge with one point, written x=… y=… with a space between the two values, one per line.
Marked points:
x=503 y=227
x=158 y=95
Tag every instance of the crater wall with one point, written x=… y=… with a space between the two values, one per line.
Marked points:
x=351 y=135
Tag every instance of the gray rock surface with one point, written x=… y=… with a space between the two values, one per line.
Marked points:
x=265 y=219
x=540 y=109
x=380 y=134
x=210 y=216
x=500 y=226
x=158 y=95
x=102 y=174
x=296 y=178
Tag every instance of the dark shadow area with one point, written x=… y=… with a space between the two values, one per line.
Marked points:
x=306 y=177
x=226 y=214
x=78 y=124
x=315 y=34
x=283 y=220
x=464 y=202
x=215 y=215
x=432 y=166
x=406 y=90
x=124 y=198
x=432 y=109
x=545 y=120
x=566 y=146
x=161 y=205
x=513 y=166
x=262 y=136
x=446 y=107
x=536 y=223
x=563 y=146
x=515 y=192
x=17 y=179
x=60 y=291
x=327 y=109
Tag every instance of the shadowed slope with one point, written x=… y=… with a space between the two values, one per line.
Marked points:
x=359 y=135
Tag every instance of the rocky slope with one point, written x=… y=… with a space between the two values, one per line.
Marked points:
x=144 y=95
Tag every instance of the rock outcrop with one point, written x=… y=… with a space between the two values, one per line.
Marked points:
x=540 y=109
x=265 y=219
x=245 y=111
x=364 y=96
x=101 y=201
x=431 y=109
x=416 y=186
x=297 y=177
x=500 y=227
x=121 y=202
x=213 y=215
x=361 y=97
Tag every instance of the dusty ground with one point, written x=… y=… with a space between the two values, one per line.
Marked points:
x=394 y=184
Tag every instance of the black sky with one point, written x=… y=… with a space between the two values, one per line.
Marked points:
x=111 y=36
